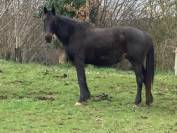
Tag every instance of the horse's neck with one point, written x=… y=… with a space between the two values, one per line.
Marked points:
x=64 y=30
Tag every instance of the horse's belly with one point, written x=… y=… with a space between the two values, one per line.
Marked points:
x=103 y=60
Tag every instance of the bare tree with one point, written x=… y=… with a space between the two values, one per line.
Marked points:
x=22 y=33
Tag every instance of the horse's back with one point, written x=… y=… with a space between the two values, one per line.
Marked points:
x=134 y=35
x=131 y=34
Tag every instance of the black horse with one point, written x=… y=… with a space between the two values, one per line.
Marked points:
x=103 y=47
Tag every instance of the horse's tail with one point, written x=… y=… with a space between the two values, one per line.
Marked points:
x=150 y=68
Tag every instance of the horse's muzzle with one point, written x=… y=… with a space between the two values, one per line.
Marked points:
x=48 y=38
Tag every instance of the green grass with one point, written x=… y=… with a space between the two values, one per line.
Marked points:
x=40 y=99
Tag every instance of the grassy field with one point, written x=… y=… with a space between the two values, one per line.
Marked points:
x=40 y=99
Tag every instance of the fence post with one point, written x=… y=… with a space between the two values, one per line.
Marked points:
x=176 y=61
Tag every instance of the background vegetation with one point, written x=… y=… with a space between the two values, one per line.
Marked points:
x=21 y=30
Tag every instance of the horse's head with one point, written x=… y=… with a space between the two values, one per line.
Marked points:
x=49 y=24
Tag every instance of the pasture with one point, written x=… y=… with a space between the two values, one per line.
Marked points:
x=40 y=99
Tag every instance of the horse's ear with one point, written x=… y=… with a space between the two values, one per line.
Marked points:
x=45 y=10
x=53 y=10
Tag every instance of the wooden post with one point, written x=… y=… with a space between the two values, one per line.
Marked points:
x=176 y=61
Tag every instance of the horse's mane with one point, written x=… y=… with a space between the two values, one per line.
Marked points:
x=65 y=27
x=74 y=23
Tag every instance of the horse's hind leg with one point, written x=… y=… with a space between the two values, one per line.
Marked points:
x=138 y=68
x=149 y=97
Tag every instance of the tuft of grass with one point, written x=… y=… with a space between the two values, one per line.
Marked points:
x=40 y=99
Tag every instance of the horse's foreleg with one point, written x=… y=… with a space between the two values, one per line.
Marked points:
x=84 y=92
x=139 y=79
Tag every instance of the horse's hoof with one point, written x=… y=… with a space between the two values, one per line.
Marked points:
x=149 y=101
x=137 y=101
x=78 y=104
